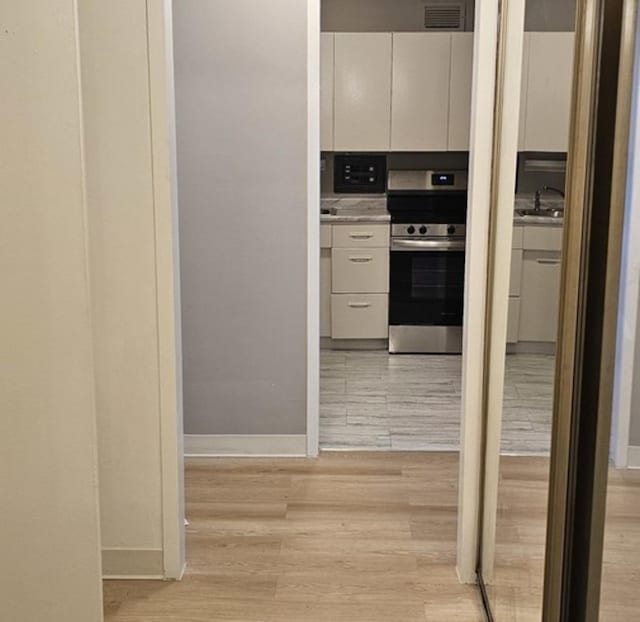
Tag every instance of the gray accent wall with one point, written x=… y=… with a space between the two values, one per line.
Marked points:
x=408 y=15
x=241 y=95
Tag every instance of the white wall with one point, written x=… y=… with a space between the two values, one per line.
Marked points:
x=49 y=541
x=123 y=210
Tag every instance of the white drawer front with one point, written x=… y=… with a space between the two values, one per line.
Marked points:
x=358 y=235
x=542 y=238
x=325 y=236
x=359 y=316
x=360 y=270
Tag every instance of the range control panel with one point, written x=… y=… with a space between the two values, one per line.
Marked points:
x=360 y=173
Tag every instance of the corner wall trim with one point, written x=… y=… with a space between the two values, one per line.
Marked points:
x=245 y=445
x=132 y=564
x=633 y=457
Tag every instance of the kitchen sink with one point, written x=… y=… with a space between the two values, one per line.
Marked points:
x=541 y=213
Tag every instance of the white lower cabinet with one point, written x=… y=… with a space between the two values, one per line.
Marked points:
x=515 y=283
x=325 y=280
x=325 y=292
x=513 y=319
x=354 y=281
x=359 y=316
x=540 y=296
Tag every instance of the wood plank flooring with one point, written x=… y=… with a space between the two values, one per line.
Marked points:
x=373 y=400
x=349 y=537
x=365 y=537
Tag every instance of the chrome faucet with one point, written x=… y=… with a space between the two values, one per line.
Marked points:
x=539 y=191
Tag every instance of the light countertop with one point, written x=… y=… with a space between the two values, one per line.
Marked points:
x=356 y=208
x=373 y=209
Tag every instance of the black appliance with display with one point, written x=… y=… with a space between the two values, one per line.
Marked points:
x=361 y=174
x=428 y=229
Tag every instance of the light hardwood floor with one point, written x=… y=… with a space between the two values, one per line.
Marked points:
x=373 y=400
x=364 y=537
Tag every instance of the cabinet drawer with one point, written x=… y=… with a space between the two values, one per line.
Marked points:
x=360 y=270
x=359 y=316
x=351 y=236
x=513 y=319
x=542 y=238
x=325 y=236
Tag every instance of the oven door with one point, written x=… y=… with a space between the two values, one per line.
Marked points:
x=426 y=283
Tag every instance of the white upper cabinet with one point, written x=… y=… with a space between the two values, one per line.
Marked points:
x=326 y=91
x=420 y=91
x=548 y=78
x=460 y=91
x=362 y=109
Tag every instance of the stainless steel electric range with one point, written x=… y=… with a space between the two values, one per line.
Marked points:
x=428 y=229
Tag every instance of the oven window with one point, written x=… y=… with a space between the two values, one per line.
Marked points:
x=427 y=288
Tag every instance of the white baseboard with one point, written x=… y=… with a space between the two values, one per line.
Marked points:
x=132 y=564
x=633 y=457
x=245 y=445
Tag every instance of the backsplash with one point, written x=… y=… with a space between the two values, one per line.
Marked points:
x=397 y=161
x=535 y=170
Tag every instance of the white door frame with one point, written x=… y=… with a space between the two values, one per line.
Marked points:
x=495 y=121
x=313 y=228
x=476 y=281
x=165 y=201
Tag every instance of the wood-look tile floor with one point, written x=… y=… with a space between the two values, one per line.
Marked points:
x=349 y=537
x=373 y=400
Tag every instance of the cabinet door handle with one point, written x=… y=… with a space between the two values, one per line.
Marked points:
x=548 y=262
x=361 y=236
x=362 y=259
x=359 y=305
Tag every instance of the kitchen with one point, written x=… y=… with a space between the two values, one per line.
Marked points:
x=395 y=110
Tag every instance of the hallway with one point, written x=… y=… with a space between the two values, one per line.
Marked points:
x=350 y=537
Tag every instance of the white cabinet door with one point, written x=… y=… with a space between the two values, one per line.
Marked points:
x=420 y=91
x=460 y=91
x=325 y=292
x=326 y=91
x=362 y=110
x=513 y=319
x=540 y=297
x=515 y=282
x=548 y=92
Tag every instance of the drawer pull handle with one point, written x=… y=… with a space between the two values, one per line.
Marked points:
x=361 y=259
x=361 y=236
x=548 y=262
x=359 y=305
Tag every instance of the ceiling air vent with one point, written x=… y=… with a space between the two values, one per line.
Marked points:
x=444 y=16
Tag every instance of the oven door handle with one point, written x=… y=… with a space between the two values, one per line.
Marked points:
x=427 y=245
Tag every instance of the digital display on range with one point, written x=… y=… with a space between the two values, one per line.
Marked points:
x=443 y=179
